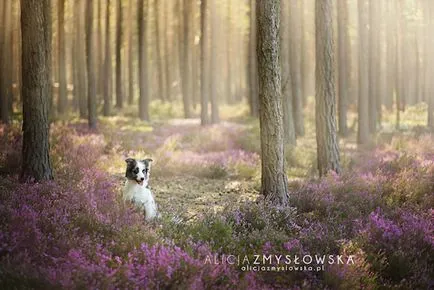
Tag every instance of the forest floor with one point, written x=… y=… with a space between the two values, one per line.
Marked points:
x=209 y=177
x=177 y=181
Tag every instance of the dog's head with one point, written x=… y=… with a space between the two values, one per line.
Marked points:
x=138 y=170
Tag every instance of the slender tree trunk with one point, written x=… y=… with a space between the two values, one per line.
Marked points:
x=215 y=116
x=391 y=65
x=229 y=96
x=101 y=65
x=344 y=65
x=63 y=97
x=429 y=45
x=5 y=84
x=373 y=69
x=159 y=58
x=143 y=60
x=81 y=61
x=274 y=181
x=295 y=60
x=36 y=89
x=363 y=136
x=325 y=96
x=194 y=60
x=90 y=54
x=74 y=60
x=204 y=87
x=252 y=72
x=186 y=63
x=288 y=120
x=131 y=74
x=304 y=71
x=167 y=55
x=11 y=64
x=398 y=61
x=119 y=95
x=107 y=65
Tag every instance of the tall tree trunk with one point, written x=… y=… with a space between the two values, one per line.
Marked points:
x=363 y=136
x=325 y=96
x=168 y=73
x=295 y=60
x=204 y=87
x=274 y=183
x=119 y=95
x=5 y=83
x=288 y=120
x=304 y=71
x=63 y=94
x=90 y=54
x=215 y=116
x=74 y=59
x=107 y=65
x=131 y=74
x=142 y=19
x=344 y=63
x=186 y=63
x=36 y=89
x=159 y=58
x=373 y=69
x=252 y=72
x=81 y=61
x=100 y=47
x=229 y=96
x=398 y=60
x=390 y=60
x=429 y=59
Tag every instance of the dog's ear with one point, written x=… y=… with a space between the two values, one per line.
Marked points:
x=147 y=162
x=130 y=161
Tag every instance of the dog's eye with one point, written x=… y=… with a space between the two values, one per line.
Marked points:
x=145 y=171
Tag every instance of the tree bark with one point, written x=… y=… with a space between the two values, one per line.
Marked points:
x=159 y=58
x=168 y=73
x=81 y=61
x=373 y=69
x=36 y=89
x=325 y=96
x=304 y=70
x=90 y=54
x=185 y=70
x=274 y=183
x=119 y=95
x=5 y=80
x=63 y=97
x=215 y=116
x=252 y=72
x=131 y=74
x=100 y=48
x=288 y=119
x=429 y=59
x=344 y=65
x=143 y=60
x=363 y=136
x=295 y=61
x=204 y=85
x=107 y=65
x=398 y=60
x=390 y=59
x=229 y=95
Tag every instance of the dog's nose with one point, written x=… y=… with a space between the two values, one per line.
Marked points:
x=142 y=178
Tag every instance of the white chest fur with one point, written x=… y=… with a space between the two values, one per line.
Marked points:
x=141 y=196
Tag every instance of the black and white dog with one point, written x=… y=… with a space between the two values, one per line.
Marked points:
x=136 y=187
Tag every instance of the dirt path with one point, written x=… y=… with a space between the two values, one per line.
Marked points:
x=189 y=195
